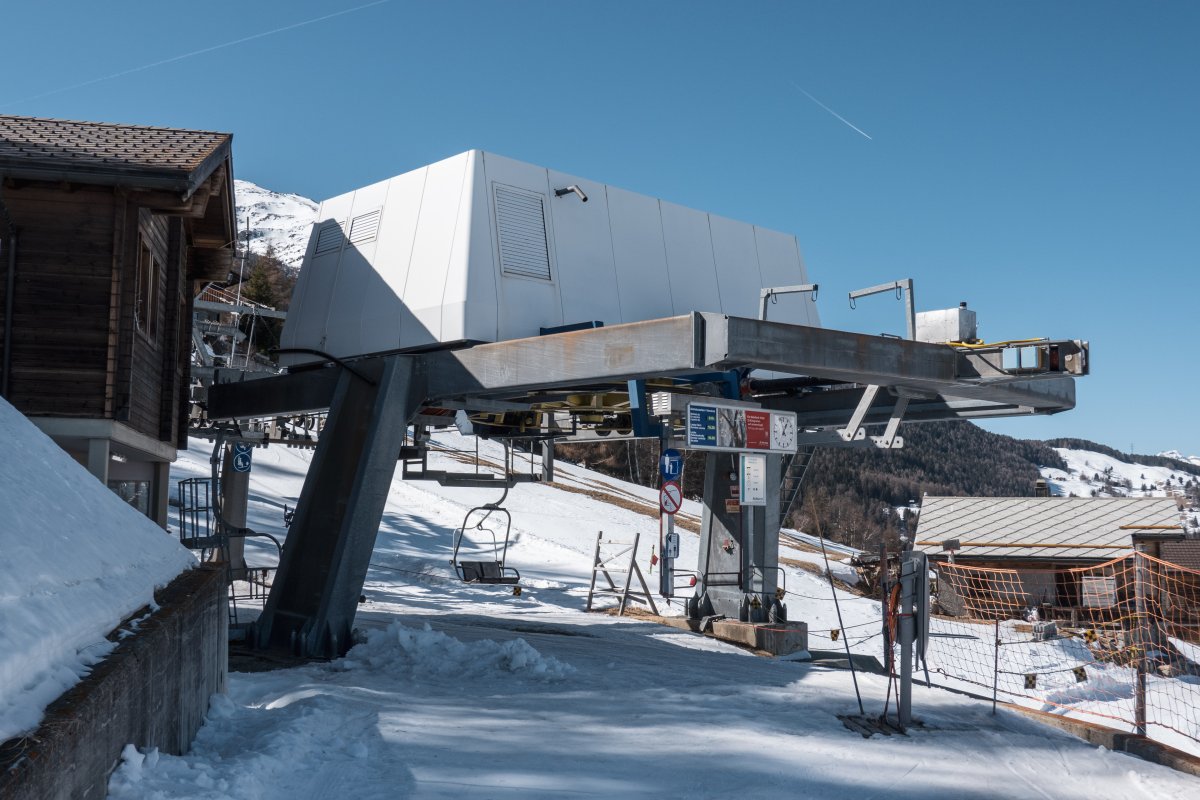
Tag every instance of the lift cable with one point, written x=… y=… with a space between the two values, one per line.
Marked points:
x=837 y=605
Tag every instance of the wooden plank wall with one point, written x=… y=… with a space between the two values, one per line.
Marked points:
x=61 y=298
x=140 y=372
x=74 y=355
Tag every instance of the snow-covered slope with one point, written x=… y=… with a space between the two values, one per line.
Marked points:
x=278 y=221
x=1092 y=474
x=75 y=560
x=1088 y=471
x=465 y=690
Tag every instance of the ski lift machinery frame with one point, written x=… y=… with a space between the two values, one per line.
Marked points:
x=842 y=383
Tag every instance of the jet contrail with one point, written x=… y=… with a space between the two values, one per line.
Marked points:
x=200 y=52
x=831 y=111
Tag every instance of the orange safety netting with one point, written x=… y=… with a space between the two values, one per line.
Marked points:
x=1118 y=641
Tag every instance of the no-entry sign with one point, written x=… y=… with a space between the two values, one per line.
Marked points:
x=670 y=497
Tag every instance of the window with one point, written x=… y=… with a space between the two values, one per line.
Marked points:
x=136 y=493
x=146 y=287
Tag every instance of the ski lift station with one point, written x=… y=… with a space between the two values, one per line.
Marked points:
x=482 y=248
x=530 y=305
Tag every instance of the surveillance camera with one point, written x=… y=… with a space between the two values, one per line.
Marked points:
x=572 y=189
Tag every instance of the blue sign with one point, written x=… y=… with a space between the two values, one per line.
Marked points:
x=241 y=461
x=241 y=447
x=702 y=426
x=670 y=465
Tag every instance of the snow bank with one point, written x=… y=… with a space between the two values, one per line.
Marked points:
x=429 y=653
x=75 y=560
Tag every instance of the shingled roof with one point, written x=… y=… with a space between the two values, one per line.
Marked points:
x=1004 y=528
x=100 y=152
x=1183 y=554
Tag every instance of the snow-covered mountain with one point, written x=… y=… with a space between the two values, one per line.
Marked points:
x=278 y=221
x=1178 y=456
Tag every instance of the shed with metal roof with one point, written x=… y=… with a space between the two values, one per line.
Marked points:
x=1061 y=530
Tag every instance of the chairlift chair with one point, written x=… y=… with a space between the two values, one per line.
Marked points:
x=491 y=571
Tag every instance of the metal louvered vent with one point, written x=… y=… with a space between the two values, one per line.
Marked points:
x=521 y=224
x=329 y=237
x=364 y=227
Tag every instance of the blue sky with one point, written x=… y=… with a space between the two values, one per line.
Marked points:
x=1038 y=160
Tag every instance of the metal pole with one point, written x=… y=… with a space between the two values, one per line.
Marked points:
x=885 y=591
x=996 y=666
x=234 y=493
x=908 y=571
x=547 y=460
x=1141 y=639
x=912 y=310
x=748 y=552
x=841 y=625
x=667 y=575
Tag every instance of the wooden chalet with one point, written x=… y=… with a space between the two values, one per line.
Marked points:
x=1049 y=541
x=104 y=229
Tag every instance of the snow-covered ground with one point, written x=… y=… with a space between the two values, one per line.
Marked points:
x=278 y=221
x=470 y=691
x=75 y=560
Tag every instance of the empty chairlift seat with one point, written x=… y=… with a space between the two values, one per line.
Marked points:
x=481 y=546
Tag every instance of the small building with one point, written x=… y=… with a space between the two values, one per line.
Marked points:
x=1048 y=541
x=104 y=230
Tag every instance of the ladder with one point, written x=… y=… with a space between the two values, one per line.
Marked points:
x=795 y=467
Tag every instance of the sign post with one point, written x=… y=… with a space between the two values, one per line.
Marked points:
x=670 y=467
x=670 y=500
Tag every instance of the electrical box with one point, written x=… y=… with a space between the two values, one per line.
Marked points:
x=949 y=325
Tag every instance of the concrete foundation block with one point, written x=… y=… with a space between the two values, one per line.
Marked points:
x=780 y=639
x=151 y=691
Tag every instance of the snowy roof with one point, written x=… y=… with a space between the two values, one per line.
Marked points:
x=77 y=559
x=101 y=152
x=1052 y=528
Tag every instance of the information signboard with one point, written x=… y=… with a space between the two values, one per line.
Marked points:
x=753 y=479
x=717 y=426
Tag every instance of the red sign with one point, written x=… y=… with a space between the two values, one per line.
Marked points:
x=670 y=497
x=758 y=430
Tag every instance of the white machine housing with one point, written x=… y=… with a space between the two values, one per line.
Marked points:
x=947 y=325
x=479 y=248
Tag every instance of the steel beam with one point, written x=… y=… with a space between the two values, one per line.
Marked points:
x=618 y=353
x=273 y=395
x=826 y=409
x=315 y=594
x=670 y=347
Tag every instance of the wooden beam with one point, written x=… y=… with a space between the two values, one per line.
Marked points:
x=205 y=264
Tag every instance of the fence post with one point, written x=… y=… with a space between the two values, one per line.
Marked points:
x=995 y=665
x=1141 y=638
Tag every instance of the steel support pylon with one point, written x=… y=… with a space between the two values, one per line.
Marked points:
x=316 y=592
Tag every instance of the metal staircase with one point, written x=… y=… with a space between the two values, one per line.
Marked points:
x=795 y=467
